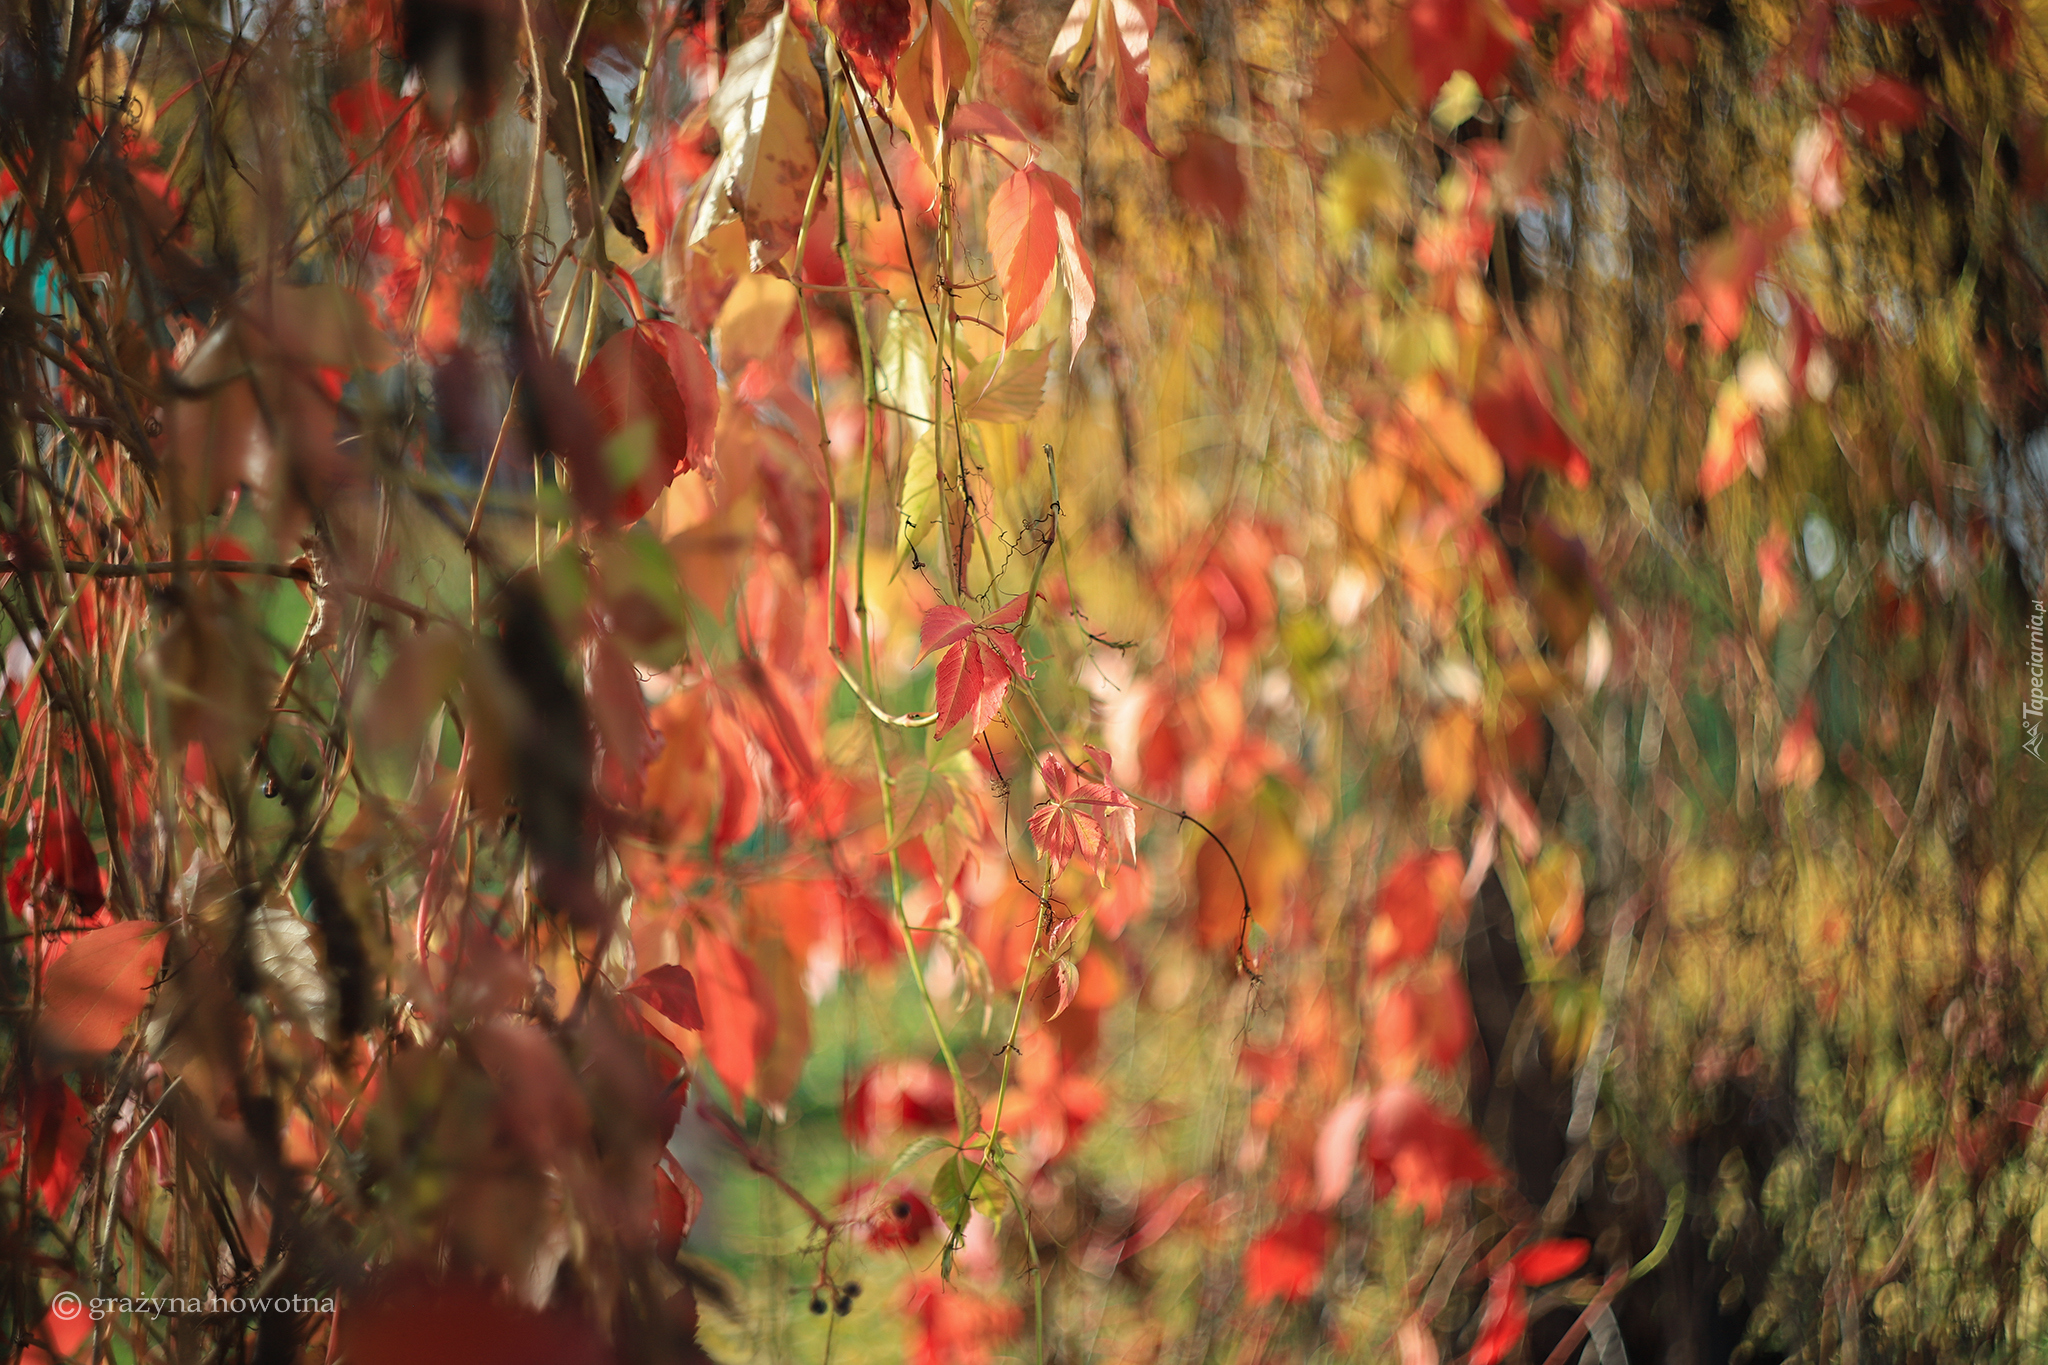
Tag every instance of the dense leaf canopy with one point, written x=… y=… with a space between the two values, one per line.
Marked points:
x=987 y=679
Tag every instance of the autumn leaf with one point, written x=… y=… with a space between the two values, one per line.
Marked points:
x=1420 y=1155
x=1082 y=818
x=1735 y=440
x=1594 y=39
x=1208 y=176
x=898 y=1096
x=672 y=991
x=1412 y=904
x=1557 y=898
x=66 y=855
x=979 y=660
x=770 y=113
x=653 y=384
x=1009 y=387
x=1448 y=36
x=1034 y=233
x=1884 y=104
x=872 y=34
x=1799 y=762
x=1514 y=412
x=931 y=73
x=1778 y=590
x=1719 y=282
x=1115 y=37
x=677 y=1202
x=1426 y=1019
x=1066 y=981
x=956 y=1325
x=1285 y=1262
x=888 y=1215
x=95 y=987
x=1502 y=1321
x=1542 y=1262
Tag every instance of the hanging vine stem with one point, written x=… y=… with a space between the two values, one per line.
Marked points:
x=962 y=1097
x=992 y=1152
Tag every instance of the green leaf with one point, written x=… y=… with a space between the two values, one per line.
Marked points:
x=949 y=1194
x=914 y=1153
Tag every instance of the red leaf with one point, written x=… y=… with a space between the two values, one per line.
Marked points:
x=1447 y=36
x=1286 y=1261
x=1551 y=1260
x=1425 y=1019
x=1067 y=978
x=1717 y=294
x=1209 y=178
x=959 y=685
x=739 y=807
x=942 y=627
x=67 y=857
x=1880 y=104
x=892 y=1097
x=888 y=1216
x=56 y=1131
x=1506 y=1317
x=1799 y=761
x=1594 y=38
x=873 y=33
x=658 y=374
x=1411 y=906
x=980 y=659
x=673 y=992
x=1419 y=1154
x=1513 y=412
x=955 y=1325
x=677 y=1202
x=1735 y=440
x=1338 y=1146
x=1033 y=229
x=95 y=987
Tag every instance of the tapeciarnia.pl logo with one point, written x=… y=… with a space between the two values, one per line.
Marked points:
x=2037 y=670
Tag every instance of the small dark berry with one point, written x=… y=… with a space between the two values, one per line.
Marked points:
x=305 y=772
x=818 y=1304
x=270 y=787
x=851 y=1289
x=901 y=1208
x=843 y=1305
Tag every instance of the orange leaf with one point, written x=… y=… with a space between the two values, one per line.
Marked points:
x=94 y=989
x=1717 y=294
x=1034 y=228
x=1425 y=1019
